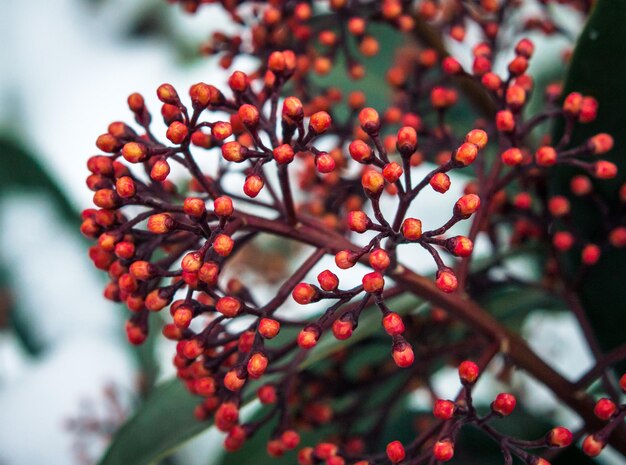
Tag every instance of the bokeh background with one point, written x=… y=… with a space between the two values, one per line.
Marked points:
x=67 y=375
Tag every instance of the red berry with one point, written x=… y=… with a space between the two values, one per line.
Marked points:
x=592 y=446
x=395 y=452
x=304 y=293
x=403 y=354
x=504 y=404
x=393 y=324
x=444 y=409
x=446 y=280
x=468 y=372
x=443 y=450
x=605 y=409
x=559 y=437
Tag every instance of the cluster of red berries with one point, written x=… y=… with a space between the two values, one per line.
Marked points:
x=289 y=163
x=456 y=414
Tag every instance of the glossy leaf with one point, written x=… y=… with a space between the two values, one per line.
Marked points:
x=597 y=69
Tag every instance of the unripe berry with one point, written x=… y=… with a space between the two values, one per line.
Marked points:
x=395 y=452
x=192 y=262
x=504 y=404
x=161 y=223
x=135 y=334
x=515 y=97
x=358 y=221
x=221 y=130
x=518 y=66
x=491 y=81
x=379 y=259
x=605 y=169
x=559 y=437
x=440 y=182
x=136 y=103
x=373 y=283
x=412 y=229
x=451 y=66
x=373 y=183
x=600 y=144
x=183 y=316
x=605 y=409
x=234 y=151
x=545 y=156
x=223 y=245
x=505 y=121
x=320 y=122
x=360 y=151
x=160 y=170
x=446 y=280
x=342 y=328
x=238 y=81
x=392 y=172
x=572 y=104
x=253 y=185
x=393 y=324
x=406 y=140
x=290 y=439
x=512 y=157
x=466 y=153
x=157 y=300
x=460 y=246
x=580 y=185
x=325 y=163
x=167 y=94
x=308 y=337
x=134 y=152
x=257 y=365
x=228 y=306
x=592 y=446
x=590 y=254
x=481 y=66
x=617 y=237
x=283 y=154
x=304 y=293
x=293 y=111
x=468 y=372
x=402 y=354
x=269 y=328
x=444 y=409
x=369 y=120
x=208 y=273
x=200 y=95
x=177 y=132
x=563 y=241
x=267 y=394
x=125 y=187
x=328 y=280
x=345 y=259
x=558 y=206
x=249 y=115
x=233 y=382
x=443 y=450
x=223 y=206
x=226 y=416
x=588 y=110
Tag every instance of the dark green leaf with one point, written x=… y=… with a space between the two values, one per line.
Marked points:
x=598 y=69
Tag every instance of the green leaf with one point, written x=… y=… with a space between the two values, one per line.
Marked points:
x=21 y=171
x=163 y=423
x=597 y=69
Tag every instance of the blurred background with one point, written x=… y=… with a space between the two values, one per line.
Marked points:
x=67 y=375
